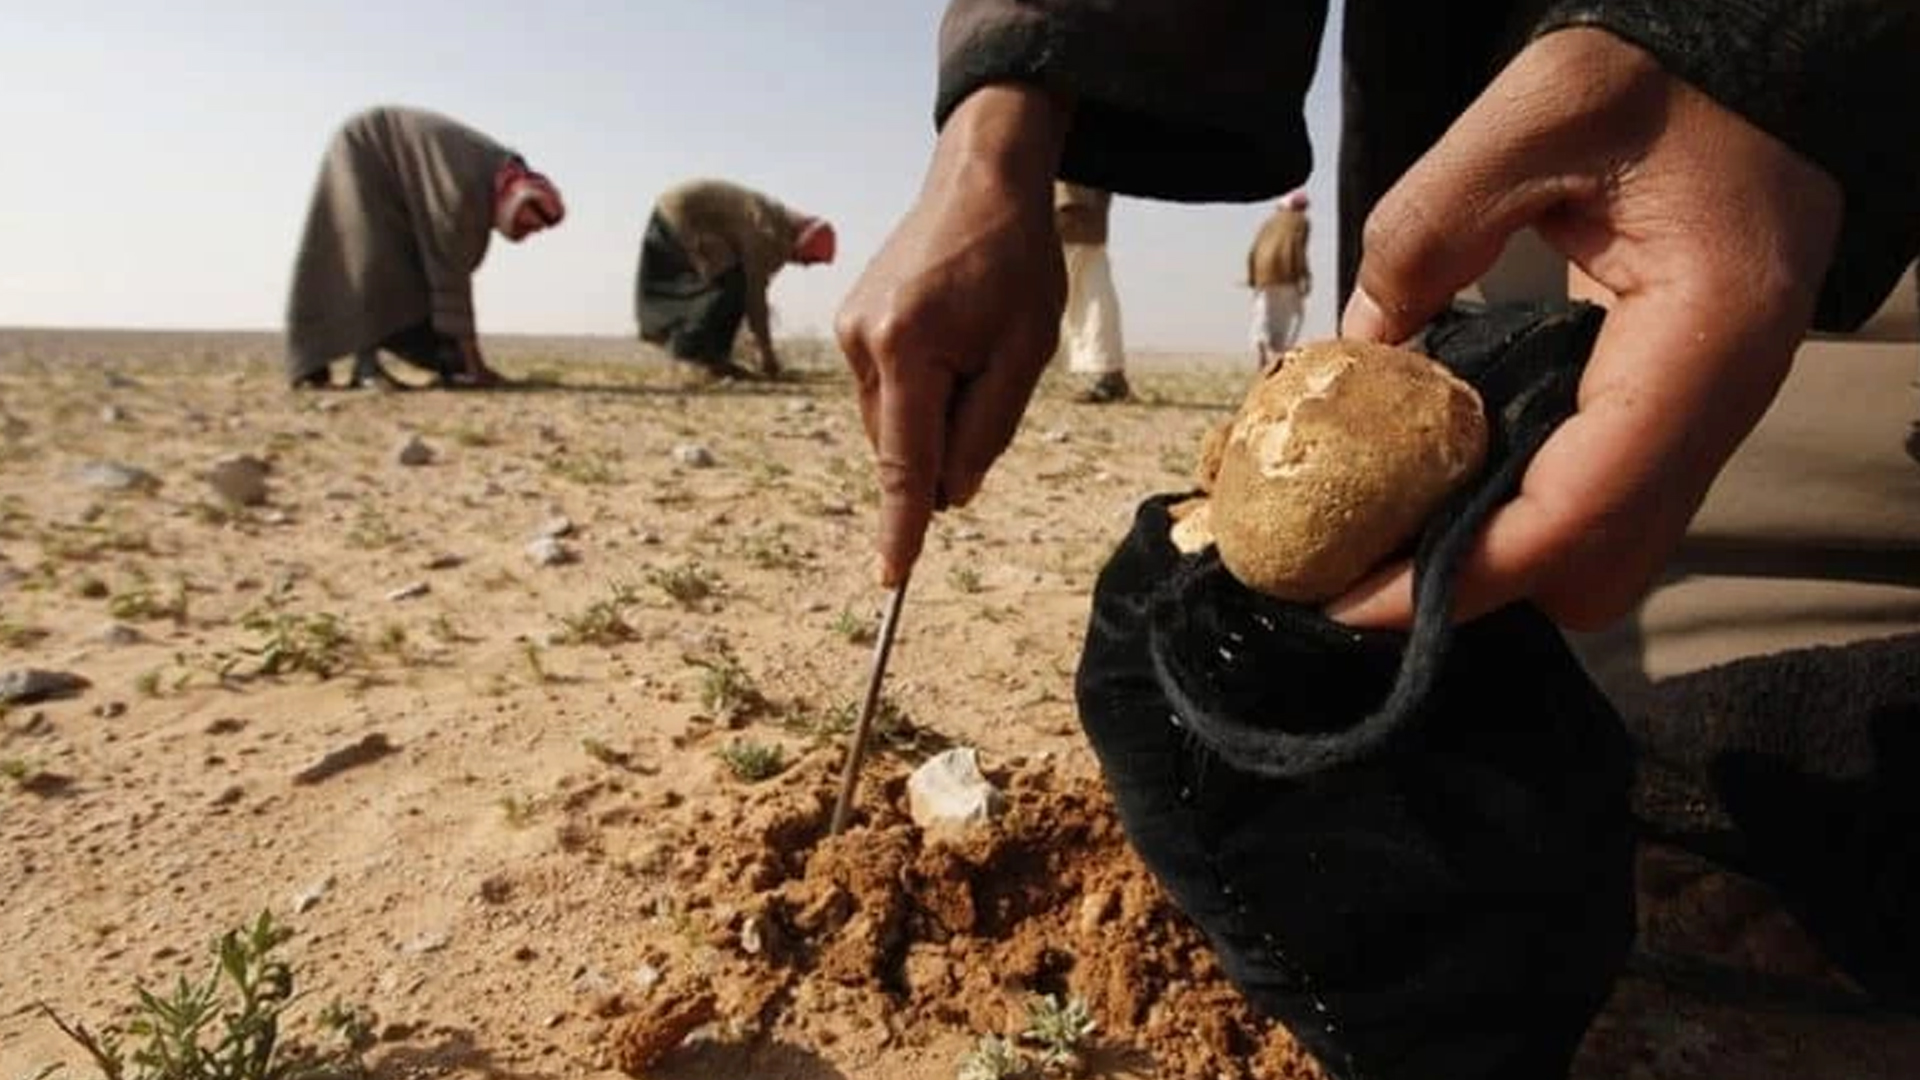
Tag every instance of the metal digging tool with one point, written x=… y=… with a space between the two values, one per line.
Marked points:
x=850 y=776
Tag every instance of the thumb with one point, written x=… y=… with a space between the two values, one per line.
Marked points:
x=1514 y=157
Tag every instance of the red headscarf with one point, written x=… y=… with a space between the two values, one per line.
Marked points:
x=515 y=186
x=815 y=243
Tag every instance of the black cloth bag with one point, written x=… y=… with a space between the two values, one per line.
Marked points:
x=695 y=318
x=1414 y=850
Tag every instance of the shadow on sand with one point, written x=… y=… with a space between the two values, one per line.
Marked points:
x=759 y=1060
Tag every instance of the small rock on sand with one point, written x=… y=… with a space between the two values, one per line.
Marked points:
x=948 y=791
x=414 y=452
x=24 y=686
x=240 y=479
x=410 y=591
x=693 y=455
x=117 y=476
x=547 y=551
x=369 y=749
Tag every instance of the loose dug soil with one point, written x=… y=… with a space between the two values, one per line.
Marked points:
x=913 y=936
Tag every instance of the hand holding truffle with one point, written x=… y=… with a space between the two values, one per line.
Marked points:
x=1713 y=239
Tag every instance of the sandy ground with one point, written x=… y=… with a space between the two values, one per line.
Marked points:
x=547 y=849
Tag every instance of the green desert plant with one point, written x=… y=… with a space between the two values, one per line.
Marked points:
x=16 y=635
x=727 y=691
x=854 y=629
x=686 y=584
x=1061 y=1030
x=291 y=641
x=993 y=1057
x=229 y=1026
x=589 y=469
x=964 y=579
x=770 y=550
x=753 y=761
x=602 y=622
x=371 y=530
x=519 y=810
x=144 y=602
x=530 y=651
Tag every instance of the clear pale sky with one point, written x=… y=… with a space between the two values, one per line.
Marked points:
x=160 y=156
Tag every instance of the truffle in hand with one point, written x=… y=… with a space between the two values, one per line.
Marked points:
x=1335 y=460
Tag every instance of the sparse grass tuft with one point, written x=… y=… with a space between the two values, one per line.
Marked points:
x=964 y=579
x=603 y=622
x=771 y=550
x=394 y=642
x=686 y=584
x=727 y=691
x=604 y=754
x=88 y=543
x=753 y=761
x=15 y=635
x=371 y=530
x=590 y=469
x=854 y=629
x=530 y=651
x=519 y=810
x=891 y=725
x=445 y=630
x=292 y=642
x=229 y=1026
x=142 y=601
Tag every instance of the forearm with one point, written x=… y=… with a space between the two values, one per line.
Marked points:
x=1013 y=132
x=760 y=319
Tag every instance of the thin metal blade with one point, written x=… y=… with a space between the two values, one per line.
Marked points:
x=856 y=754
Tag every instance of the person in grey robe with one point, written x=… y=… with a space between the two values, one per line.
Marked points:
x=402 y=211
x=707 y=258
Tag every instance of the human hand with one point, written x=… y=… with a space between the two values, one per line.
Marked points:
x=949 y=327
x=1711 y=236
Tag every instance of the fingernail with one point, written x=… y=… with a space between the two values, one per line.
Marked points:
x=1363 y=319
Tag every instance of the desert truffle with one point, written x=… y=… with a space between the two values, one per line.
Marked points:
x=1335 y=459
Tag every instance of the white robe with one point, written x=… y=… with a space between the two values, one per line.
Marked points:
x=1090 y=325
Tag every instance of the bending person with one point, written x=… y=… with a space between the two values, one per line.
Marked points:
x=401 y=216
x=710 y=251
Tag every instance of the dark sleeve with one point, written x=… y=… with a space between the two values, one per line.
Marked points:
x=1191 y=100
x=1837 y=80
